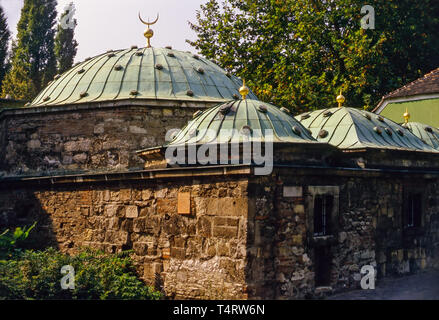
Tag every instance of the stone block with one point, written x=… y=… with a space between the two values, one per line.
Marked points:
x=225 y=232
x=292 y=191
x=131 y=211
x=166 y=206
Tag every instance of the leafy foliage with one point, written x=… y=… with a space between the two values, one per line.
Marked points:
x=36 y=275
x=299 y=53
x=12 y=242
x=4 y=43
x=65 y=46
x=33 y=57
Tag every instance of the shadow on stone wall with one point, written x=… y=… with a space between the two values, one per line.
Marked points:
x=21 y=208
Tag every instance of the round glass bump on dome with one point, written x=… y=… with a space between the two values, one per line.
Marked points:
x=134 y=92
x=367 y=116
x=47 y=98
x=81 y=71
x=262 y=108
x=200 y=70
x=111 y=55
x=246 y=130
x=297 y=130
x=388 y=131
x=323 y=133
x=400 y=132
x=139 y=53
x=380 y=118
x=327 y=114
x=377 y=130
x=429 y=129
x=158 y=66
x=168 y=47
x=193 y=132
x=83 y=94
x=134 y=47
x=196 y=57
x=305 y=116
x=190 y=93
x=118 y=67
x=224 y=109
x=171 y=54
x=285 y=110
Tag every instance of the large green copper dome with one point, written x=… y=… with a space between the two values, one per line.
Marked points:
x=147 y=73
x=349 y=128
x=231 y=121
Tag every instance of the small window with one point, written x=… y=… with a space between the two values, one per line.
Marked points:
x=414 y=210
x=322 y=214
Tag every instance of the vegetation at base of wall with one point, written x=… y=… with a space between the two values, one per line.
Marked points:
x=36 y=275
x=12 y=242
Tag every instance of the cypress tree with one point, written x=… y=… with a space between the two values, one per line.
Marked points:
x=4 y=42
x=65 y=44
x=33 y=56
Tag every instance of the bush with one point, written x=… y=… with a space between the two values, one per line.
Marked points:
x=37 y=275
x=12 y=242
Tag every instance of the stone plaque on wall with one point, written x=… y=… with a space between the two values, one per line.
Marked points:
x=184 y=203
x=293 y=192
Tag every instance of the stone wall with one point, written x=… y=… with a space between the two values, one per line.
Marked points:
x=87 y=138
x=200 y=255
x=368 y=230
x=239 y=236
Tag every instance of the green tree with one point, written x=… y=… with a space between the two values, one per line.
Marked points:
x=65 y=44
x=300 y=53
x=4 y=43
x=33 y=62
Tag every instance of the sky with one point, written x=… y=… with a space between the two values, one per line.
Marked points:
x=114 y=24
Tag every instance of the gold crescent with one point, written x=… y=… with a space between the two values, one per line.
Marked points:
x=149 y=23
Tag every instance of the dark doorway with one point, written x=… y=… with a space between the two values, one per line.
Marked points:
x=322 y=258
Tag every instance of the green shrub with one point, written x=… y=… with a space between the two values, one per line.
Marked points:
x=12 y=242
x=37 y=275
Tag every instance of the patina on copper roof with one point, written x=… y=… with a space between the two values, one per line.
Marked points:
x=148 y=73
x=424 y=132
x=349 y=128
x=234 y=120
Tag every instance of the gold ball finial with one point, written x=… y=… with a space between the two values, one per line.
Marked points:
x=244 y=90
x=406 y=115
x=340 y=99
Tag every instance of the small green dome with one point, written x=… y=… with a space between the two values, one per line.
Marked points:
x=147 y=73
x=349 y=128
x=424 y=132
x=232 y=121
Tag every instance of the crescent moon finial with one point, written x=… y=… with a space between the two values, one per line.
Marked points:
x=148 y=23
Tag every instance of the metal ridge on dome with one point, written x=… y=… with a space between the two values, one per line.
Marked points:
x=350 y=128
x=114 y=75
x=228 y=122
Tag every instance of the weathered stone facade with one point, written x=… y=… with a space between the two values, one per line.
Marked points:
x=245 y=236
x=58 y=140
